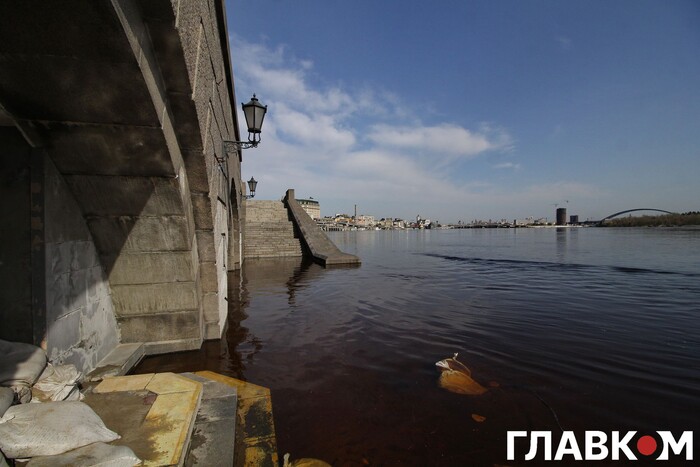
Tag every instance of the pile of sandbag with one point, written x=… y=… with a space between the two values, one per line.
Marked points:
x=61 y=431
x=20 y=367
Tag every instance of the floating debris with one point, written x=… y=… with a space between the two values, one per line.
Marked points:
x=478 y=418
x=304 y=462
x=456 y=377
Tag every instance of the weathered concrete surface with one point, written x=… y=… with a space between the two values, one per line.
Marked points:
x=214 y=434
x=319 y=245
x=256 y=443
x=153 y=413
x=118 y=362
x=129 y=100
x=81 y=325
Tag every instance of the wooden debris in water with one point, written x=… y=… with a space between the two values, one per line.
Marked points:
x=456 y=377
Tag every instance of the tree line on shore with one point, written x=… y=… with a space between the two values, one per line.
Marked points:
x=666 y=220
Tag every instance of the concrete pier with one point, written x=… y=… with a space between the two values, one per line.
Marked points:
x=317 y=243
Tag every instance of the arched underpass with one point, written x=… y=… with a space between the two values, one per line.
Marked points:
x=112 y=115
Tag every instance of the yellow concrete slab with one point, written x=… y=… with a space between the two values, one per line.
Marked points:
x=124 y=383
x=245 y=390
x=168 y=383
x=161 y=435
x=170 y=418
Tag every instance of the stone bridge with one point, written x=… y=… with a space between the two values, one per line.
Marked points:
x=120 y=212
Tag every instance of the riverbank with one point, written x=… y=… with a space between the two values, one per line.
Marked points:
x=666 y=220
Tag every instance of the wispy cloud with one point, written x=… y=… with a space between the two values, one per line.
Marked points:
x=507 y=165
x=564 y=42
x=346 y=146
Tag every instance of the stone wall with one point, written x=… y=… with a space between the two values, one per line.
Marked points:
x=202 y=32
x=80 y=325
x=15 y=260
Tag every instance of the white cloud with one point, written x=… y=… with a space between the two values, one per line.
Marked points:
x=345 y=147
x=443 y=139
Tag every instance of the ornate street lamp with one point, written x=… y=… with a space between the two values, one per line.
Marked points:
x=252 y=185
x=254 y=113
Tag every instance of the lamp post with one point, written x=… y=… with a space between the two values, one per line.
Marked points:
x=252 y=184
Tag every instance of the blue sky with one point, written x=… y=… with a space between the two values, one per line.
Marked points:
x=457 y=110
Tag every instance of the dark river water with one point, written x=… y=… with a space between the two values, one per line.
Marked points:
x=575 y=329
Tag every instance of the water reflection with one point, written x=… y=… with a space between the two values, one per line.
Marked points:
x=238 y=347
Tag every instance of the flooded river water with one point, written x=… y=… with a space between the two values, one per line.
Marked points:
x=576 y=329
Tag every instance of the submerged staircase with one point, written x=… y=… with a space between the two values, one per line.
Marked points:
x=269 y=233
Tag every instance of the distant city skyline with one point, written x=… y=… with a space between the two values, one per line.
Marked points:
x=473 y=109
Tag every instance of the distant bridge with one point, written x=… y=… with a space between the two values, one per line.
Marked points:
x=600 y=222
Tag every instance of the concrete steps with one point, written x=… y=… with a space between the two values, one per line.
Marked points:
x=268 y=231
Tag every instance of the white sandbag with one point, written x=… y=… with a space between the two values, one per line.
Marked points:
x=57 y=383
x=30 y=430
x=93 y=455
x=7 y=397
x=20 y=367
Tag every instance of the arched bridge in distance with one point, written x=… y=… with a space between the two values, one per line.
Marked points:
x=600 y=222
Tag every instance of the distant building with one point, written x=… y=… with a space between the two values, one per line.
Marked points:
x=561 y=216
x=365 y=221
x=312 y=207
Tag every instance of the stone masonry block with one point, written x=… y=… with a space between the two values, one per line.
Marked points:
x=205 y=245
x=149 y=268
x=154 y=298
x=160 y=327
x=201 y=206
x=140 y=234
x=210 y=307
x=208 y=277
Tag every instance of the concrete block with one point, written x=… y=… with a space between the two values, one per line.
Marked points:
x=126 y=195
x=196 y=170
x=110 y=150
x=218 y=408
x=149 y=268
x=208 y=277
x=162 y=327
x=212 y=331
x=176 y=345
x=154 y=298
x=118 y=362
x=201 y=206
x=212 y=443
x=210 y=307
x=140 y=234
x=205 y=245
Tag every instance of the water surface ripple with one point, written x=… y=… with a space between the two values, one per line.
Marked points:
x=598 y=326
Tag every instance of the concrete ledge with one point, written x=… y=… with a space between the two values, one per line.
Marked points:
x=318 y=244
x=118 y=362
x=154 y=414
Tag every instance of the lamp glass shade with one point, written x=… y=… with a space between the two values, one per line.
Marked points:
x=252 y=185
x=254 y=113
